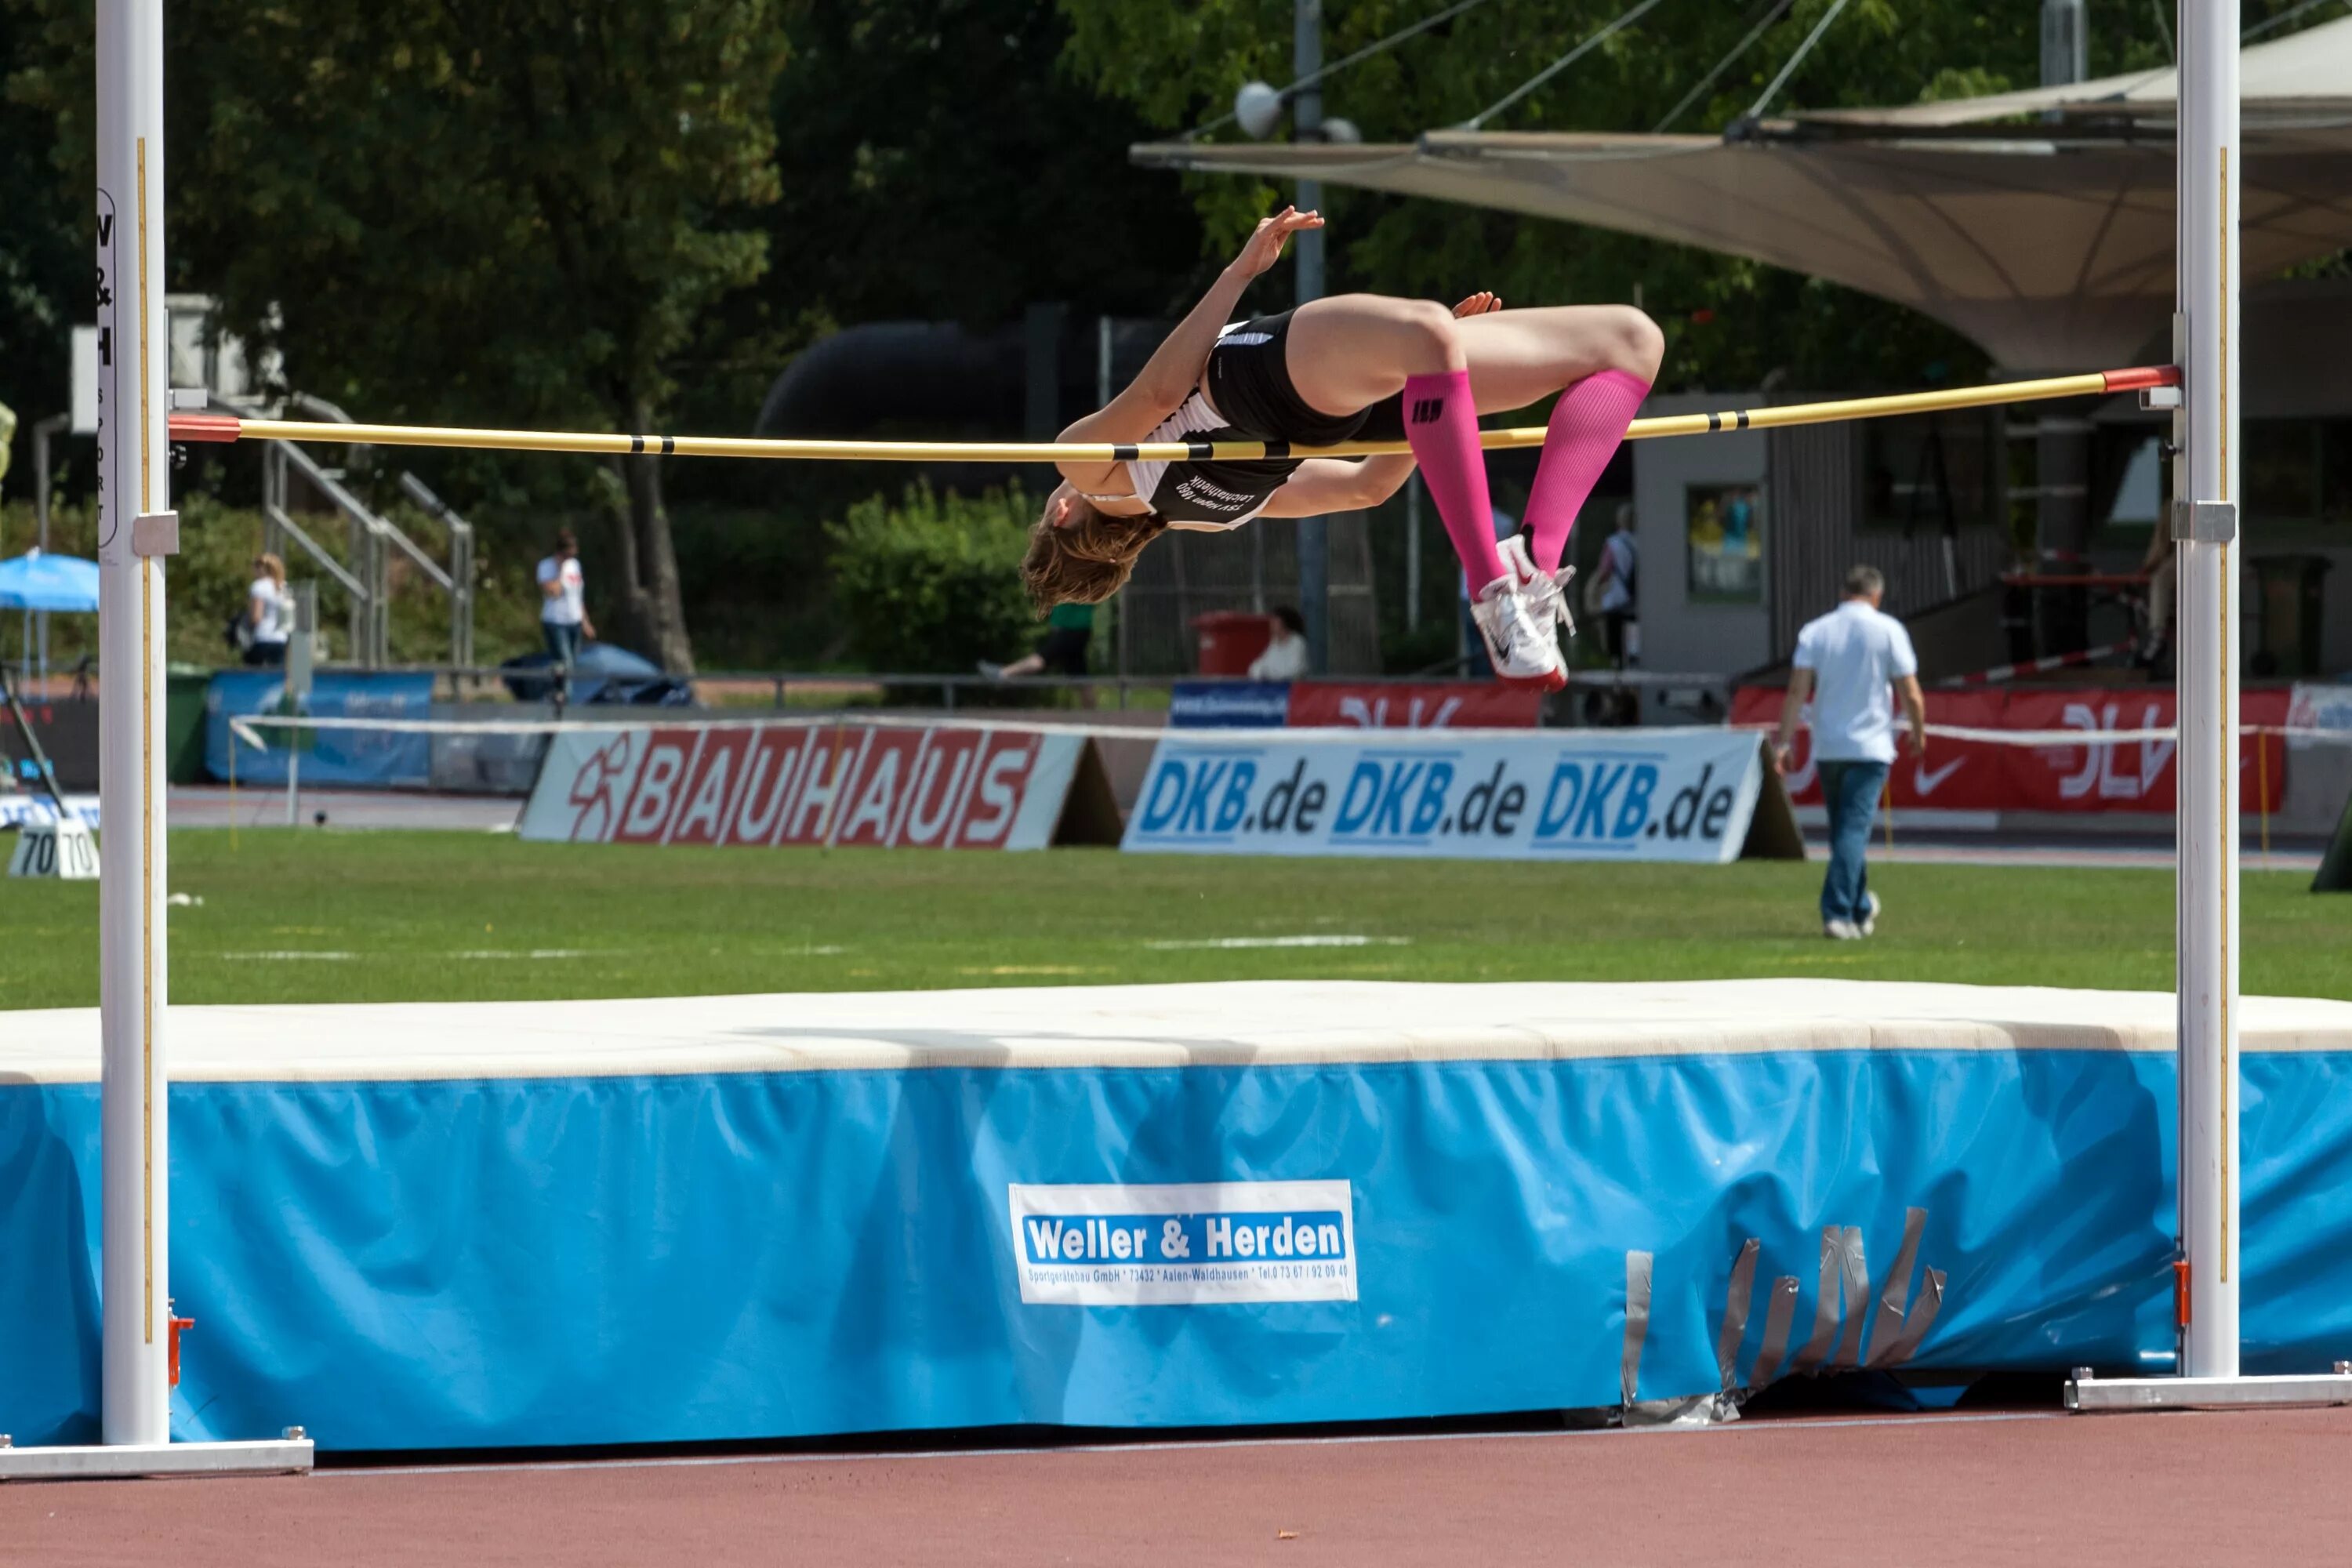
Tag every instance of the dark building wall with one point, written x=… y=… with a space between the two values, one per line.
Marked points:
x=1817 y=476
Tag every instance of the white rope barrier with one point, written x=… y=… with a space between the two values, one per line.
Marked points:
x=246 y=728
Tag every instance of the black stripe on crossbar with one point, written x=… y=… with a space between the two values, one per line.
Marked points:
x=1714 y=422
x=1277 y=448
x=636 y=445
x=1122 y=454
x=669 y=445
x=1200 y=451
x=1743 y=420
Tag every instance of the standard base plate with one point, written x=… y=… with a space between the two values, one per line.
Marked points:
x=2085 y=1391
x=275 y=1457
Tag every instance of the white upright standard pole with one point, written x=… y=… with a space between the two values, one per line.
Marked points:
x=134 y=479
x=2206 y=498
x=2210 y=175
x=136 y=530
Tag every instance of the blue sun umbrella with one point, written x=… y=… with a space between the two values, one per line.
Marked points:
x=34 y=580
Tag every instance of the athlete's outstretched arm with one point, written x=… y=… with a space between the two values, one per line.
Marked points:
x=1324 y=485
x=1174 y=368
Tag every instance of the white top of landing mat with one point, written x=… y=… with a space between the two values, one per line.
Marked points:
x=1242 y=1023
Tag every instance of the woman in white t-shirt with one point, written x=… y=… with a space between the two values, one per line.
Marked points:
x=268 y=613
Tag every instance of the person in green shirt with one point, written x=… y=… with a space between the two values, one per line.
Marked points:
x=1063 y=649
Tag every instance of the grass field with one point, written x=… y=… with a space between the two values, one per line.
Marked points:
x=325 y=917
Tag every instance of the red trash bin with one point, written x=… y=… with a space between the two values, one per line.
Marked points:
x=1226 y=642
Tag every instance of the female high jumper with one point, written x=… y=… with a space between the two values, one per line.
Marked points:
x=1357 y=366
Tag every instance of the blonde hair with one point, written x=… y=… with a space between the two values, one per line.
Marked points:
x=271 y=567
x=1088 y=559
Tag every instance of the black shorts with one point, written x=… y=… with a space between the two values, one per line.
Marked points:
x=1250 y=384
x=1063 y=649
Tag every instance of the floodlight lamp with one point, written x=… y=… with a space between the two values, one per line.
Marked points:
x=1258 y=108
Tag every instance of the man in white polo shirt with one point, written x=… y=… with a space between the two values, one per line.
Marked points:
x=1847 y=662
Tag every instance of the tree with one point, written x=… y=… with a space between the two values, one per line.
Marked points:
x=1729 y=320
x=463 y=211
x=936 y=163
x=940 y=163
x=44 y=251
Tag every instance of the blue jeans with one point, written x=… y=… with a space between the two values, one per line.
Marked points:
x=1851 y=791
x=562 y=641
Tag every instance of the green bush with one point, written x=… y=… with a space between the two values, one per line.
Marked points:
x=933 y=583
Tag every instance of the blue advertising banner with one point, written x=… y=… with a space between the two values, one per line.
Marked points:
x=451 y=1263
x=347 y=757
x=1579 y=795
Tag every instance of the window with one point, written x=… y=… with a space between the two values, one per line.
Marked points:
x=1725 y=527
x=2282 y=470
x=2140 y=495
x=2335 y=473
x=2299 y=471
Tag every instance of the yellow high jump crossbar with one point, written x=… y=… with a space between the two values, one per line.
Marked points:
x=231 y=428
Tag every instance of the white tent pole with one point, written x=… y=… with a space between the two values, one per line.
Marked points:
x=2211 y=1183
x=135 y=478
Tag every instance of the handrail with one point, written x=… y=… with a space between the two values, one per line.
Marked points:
x=369 y=592
x=273 y=508
x=360 y=512
x=461 y=564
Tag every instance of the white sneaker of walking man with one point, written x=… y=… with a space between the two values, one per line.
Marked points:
x=1850 y=663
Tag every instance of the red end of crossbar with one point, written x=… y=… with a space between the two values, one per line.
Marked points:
x=205 y=426
x=2144 y=375
x=176 y=1325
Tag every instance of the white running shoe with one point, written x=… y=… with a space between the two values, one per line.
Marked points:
x=1546 y=591
x=1523 y=648
x=1841 y=930
x=1868 y=924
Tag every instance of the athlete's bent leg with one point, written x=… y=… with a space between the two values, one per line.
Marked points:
x=1603 y=359
x=1352 y=350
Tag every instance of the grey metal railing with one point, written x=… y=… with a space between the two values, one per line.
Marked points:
x=366 y=580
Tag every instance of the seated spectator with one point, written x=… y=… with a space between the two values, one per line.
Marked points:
x=1285 y=658
x=1063 y=649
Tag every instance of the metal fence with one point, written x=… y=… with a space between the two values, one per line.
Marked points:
x=1186 y=573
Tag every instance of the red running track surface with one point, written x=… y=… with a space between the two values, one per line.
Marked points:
x=2267 y=1487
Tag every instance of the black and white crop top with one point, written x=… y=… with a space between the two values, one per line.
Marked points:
x=1203 y=491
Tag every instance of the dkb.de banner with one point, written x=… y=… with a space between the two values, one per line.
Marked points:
x=1569 y=795
x=934 y=786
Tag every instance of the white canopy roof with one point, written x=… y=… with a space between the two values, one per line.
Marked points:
x=2052 y=246
x=2306 y=74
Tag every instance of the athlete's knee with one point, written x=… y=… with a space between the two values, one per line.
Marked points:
x=1432 y=337
x=1636 y=345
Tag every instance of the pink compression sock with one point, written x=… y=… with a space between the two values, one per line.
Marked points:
x=1587 y=424
x=1441 y=424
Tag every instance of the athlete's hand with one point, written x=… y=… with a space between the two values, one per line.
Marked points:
x=1479 y=304
x=1263 y=247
